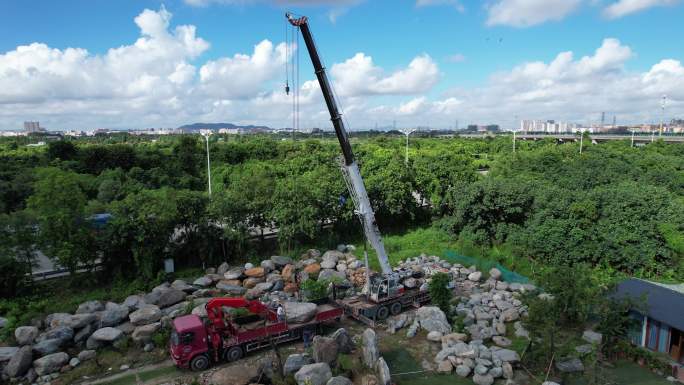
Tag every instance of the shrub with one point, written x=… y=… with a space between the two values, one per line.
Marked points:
x=440 y=293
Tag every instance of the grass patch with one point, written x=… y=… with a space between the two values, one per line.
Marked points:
x=401 y=361
x=624 y=372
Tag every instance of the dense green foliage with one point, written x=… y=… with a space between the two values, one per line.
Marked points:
x=439 y=292
x=614 y=207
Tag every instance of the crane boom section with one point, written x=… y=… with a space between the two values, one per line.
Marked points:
x=351 y=168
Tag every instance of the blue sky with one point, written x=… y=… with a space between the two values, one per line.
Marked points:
x=467 y=43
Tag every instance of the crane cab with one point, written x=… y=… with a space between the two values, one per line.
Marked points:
x=383 y=287
x=188 y=343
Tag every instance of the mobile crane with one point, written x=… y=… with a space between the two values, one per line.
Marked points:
x=384 y=294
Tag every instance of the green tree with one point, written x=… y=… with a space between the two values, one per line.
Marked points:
x=59 y=206
x=440 y=293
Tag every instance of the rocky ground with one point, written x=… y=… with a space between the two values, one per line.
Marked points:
x=50 y=347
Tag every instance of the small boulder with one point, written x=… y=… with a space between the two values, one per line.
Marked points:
x=46 y=347
x=179 y=284
x=20 y=362
x=345 y=344
x=299 y=312
x=222 y=268
x=294 y=362
x=74 y=362
x=434 y=336
x=203 y=281
x=281 y=261
x=592 y=337
x=475 y=277
x=90 y=307
x=255 y=272
x=313 y=269
x=432 y=318
x=87 y=355
x=171 y=297
x=313 y=374
x=339 y=380
x=463 y=371
x=134 y=302
x=144 y=333
x=50 y=363
x=113 y=314
x=235 y=273
x=383 y=372
x=495 y=273
x=483 y=379
x=369 y=348
x=570 y=365
x=445 y=367
x=324 y=350
x=145 y=315
x=25 y=334
x=502 y=341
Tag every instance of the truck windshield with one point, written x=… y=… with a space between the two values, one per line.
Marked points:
x=174 y=338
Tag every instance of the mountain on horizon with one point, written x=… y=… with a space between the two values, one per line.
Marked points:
x=216 y=126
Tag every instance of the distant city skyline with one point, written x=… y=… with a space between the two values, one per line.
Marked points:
x=413 y=62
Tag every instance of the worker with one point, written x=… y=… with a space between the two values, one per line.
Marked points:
x=281 y=313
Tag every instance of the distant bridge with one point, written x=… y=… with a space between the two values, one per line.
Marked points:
x=640 y=138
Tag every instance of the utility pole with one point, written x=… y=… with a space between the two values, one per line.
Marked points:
x=206 y=136
x=632 y=138
x=407 y=132
x=581 y=140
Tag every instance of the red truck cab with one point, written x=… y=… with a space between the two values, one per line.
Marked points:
x=188 y=344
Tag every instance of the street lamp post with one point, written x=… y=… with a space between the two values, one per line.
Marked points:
x=632 y=139
x=663 y=102
x=581 y=140
x=407 y=132
x=513 y=140
x=206 y=136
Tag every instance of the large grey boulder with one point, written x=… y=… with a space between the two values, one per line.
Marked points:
x=462 y=370
x=234 y=273
x=3 y=322
x=330 y=275
x=339 y=380
x=281 y=261
x=203 y=281
x=383 y=372
x=90 y=307
x=344 y=341
x=369 y=348
x=87 y=355
x=134 y=302
x=145 y=315
x=432 y=318
x=50 y=363
x=106 y=335
x=144 y=333
x=6 y=353
x=324 y=350
x=113 y=314
x=231 y=289
x=84 y=333
x=483 y=379
x=46 y=347
x=179 y=284
x=25 y=334
x=81 y=320
x=170 y=297
x=62 y=333
x=570 y=365
x=294 y=362
x=223 y=267
x=20 y=362
x=299 y=312
x=506 y=355
x=55 y=320
x=313 y=374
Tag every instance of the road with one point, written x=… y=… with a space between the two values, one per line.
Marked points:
x=572 y=137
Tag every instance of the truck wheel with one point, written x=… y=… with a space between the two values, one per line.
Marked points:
x=199 y=363
x=382 y=313
x=395 y=308
x=233 y=354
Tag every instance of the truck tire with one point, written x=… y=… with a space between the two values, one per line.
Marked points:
x=199 y=363
x=382 y=313
x=395 y=308
x=233 y=354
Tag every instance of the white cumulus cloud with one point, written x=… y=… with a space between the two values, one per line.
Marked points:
x=622 y=8
x=359 y=76
x=525 y=13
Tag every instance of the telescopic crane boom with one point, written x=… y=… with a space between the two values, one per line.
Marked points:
x=350 y=168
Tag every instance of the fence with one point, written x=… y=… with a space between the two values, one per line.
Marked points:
x=484 y=265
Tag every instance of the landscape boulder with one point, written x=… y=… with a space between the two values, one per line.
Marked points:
x=369 y=348
x=20 y=362
x=592 y=337
x=145 y=315
x=324 y=350
x=170 y=297
x=483 y=379
x=313 y=374
x=495 y=273
x=339 y=380
x=6 y=353
x=227 y=288
x=46 y=347
x=281 y=261
x=179 y=284
x=344 y=341
x=103 y=336
x=87 y=355
x=223 y=267
x=90 y=307
x=113 y=314
x=432 y=318
x=234 y=273
x=294 y=362
x=203 y=281
x=25 y=334
x=299 y=312
x=50 y=363
x=570 y=365
x=144 y=333
x=134 y=302
x=255 y=272
x=383 y=372
x=62 y=333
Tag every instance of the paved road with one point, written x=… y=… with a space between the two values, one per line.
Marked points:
x=596 y=137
